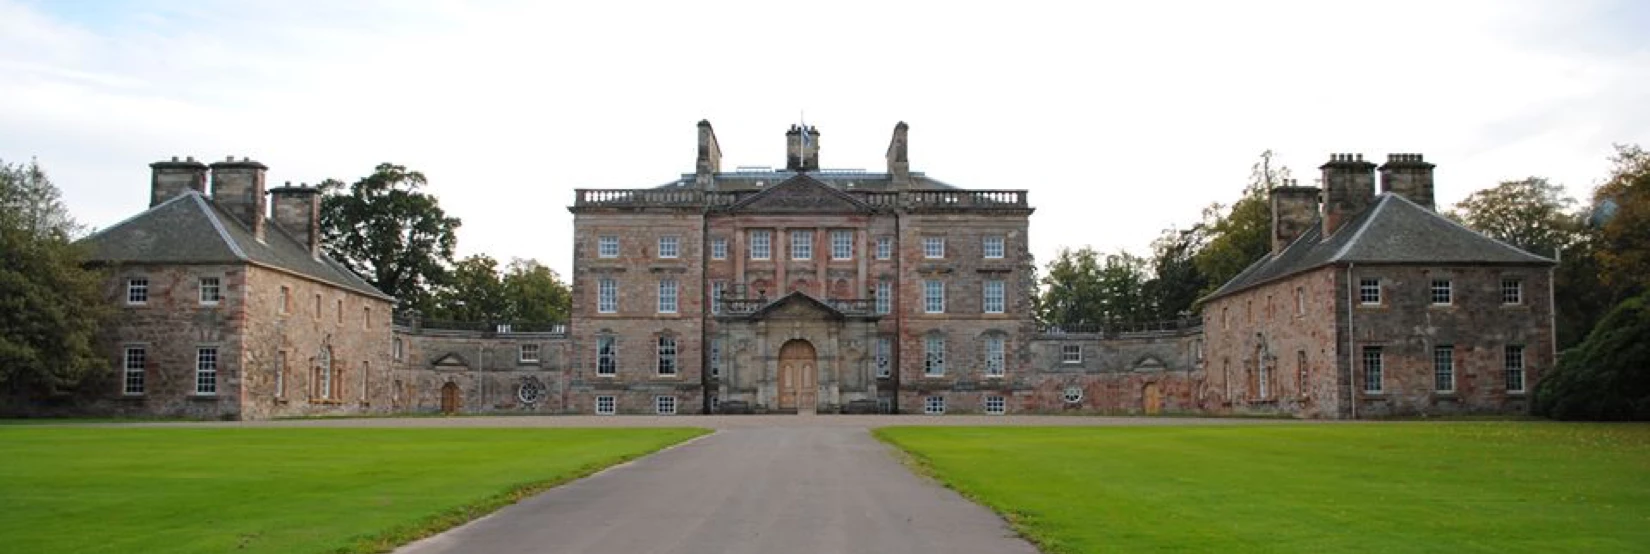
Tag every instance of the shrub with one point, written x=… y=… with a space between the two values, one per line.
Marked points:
x=1607 y=376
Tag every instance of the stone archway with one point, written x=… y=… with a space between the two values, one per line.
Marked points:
x=798 y=377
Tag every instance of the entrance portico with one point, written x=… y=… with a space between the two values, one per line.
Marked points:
x=796 y=354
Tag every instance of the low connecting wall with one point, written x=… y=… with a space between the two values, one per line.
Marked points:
x=1129 y=373
x=476 y=371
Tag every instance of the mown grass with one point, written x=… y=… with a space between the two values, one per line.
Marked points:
x=280 y=490
x=1397 y=487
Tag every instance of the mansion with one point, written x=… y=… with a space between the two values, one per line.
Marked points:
x=810 y=290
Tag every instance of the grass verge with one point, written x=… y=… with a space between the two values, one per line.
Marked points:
x=281 y=490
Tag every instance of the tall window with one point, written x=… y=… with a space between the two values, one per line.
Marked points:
x=1372 y=369
x=715 y=358
x=885 y=248
x=340 y=311
x=137 y=290
x=1441 y=292
x=933 y=405
x=398 y=350
x=716 y=296
x=1369 y=291
x=206 y=371
x=885 y=297
x=802 y=245
x=1264 y=379
x=667 y=356
x=1071 y=353
x=527 y=353
x=1302 y=383
x=317 y=306
x=667 y=296
x=995 y=405
x=761 y=244
x=933 y=296
x=1514 y=366
x=606 y=405
x=1512 y=291
x=993 y=247
x=933 y=247
x=719 y=249
x=993 y=302
x=136 y=357
x=280 y=374
x=607 y=296
x=607 y=246
x=211 y=290
x=1300 y=301
x=323 y=371
x=842 y=244
x=933 y=360
x=670 y=247
x=664 y=405
x=284 y=303
x=607 y=356
x=1443 y=368
x=884 y=353
x=994 y=357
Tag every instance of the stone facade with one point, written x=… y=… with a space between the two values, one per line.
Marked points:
x=445 y=370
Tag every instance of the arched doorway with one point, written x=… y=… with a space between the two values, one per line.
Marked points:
x=451 y=398
x=797 y=377
x=1153 y=398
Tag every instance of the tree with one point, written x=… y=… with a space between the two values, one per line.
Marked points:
x=1081 y=290
x=1624 y=232
x=1530 y=213
x=51 y=305
x=390 y=233
x=1176 y=282
x=472 y=292
x=1607 y=377
x=535 y=293
x=1238 y=237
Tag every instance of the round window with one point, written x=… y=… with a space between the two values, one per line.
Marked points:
x=1073 y=395
x=531 y=391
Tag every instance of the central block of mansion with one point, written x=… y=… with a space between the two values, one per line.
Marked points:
x=810 y=290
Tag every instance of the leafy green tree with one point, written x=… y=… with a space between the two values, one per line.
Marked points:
x=1624 y=235
x=1176 y=282
x=1607 y=377
x=535 y=293
x=51 y=305
x=1529 y=213
x=472 y=291
x=389 y=232
x=1081 y=289
x=1241 y=235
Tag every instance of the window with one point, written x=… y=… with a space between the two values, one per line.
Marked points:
x=1443 y=368
x=885 y=297
x=933 y=405
x=1369 y=291
x=842 y=245
x=933 y=360
x=995 y=405
x=606 y=405
x=1071 y=353
x=1300 y=301
x=1440 y=292
x=323 y=371
x=317 y=306
x=884 y=352
x=667 y=356
x=280 y=374
x=802 y=245
x=366 y=317
x=933 y=296
x=1072 y=395
x=715 y=405
x=761 y=244
x=993 y=302
x=1225 y=318
x=719 y=249
x=135 y=358
x=206 y=371
x=607 y=356
x=994 y=356
x=1514 y=366
x=993 y=247
x=527 y=353
x=885 y=248
x=1372 y=369
x=667 y=296
x=340 y=311
x=607 y=246
x=715 y=358
x=933 y=247
x=716 y=296
x=284 y=302
x=1264 y=379
x=211 y=291
x=670 y=247
x=137 y=290
x=607 y=296
x=398 y=350
x=1512 y=291
x=1302 y=384
x=664 y=405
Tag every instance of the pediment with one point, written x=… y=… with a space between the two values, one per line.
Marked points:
x=797 y=305
x=800 y=194
x=450 y=360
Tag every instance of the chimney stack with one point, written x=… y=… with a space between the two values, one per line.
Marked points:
x=238 y=186
x=710 y=157
x=1409 y=176
x=171 y=178
x=1349 y=186
x=802 y=148
x=1294 y=210
x=899 y=165
x=298 y=212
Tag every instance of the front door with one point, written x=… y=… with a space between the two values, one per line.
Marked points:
x=449 y=398
x=1154 y=399
x=797 y=381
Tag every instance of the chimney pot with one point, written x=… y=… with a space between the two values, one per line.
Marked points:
x=174 y=158
x=189 y=158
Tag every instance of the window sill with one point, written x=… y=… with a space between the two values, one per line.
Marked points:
x=204 y=397
x=127 y=397
x=1516 y=393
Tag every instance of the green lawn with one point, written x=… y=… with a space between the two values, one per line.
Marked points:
x=279 y=490
x=1398 y=487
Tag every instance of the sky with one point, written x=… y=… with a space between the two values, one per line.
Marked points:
x=1121 y=118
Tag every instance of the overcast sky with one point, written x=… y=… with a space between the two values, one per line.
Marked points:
x=1121 y=118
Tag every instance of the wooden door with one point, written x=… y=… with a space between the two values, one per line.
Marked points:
x=1154 y=399
x=796 y=377
x=450 y=398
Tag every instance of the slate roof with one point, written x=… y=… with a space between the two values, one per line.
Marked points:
x=191 y=229
x=1393 y=230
